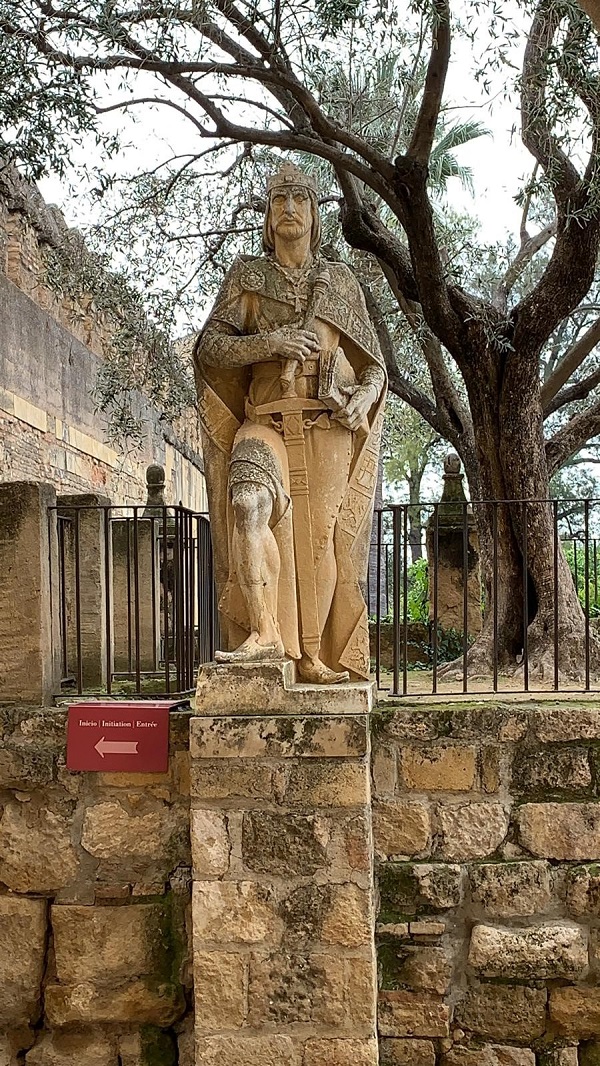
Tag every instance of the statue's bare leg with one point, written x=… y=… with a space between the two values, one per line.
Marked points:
x=311 y=668
x=257 y=566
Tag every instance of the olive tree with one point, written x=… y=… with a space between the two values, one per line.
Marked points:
x=241 y=73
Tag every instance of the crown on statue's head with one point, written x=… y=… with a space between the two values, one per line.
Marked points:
x=288 y=175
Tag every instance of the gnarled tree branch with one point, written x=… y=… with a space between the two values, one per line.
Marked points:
x=536 y=129
x=571 y=360
x=570 y=272
x=453 y=414
x=530 y=246
x=423 y=135
x=570 y=438
x=363 y=229
x=579 y=391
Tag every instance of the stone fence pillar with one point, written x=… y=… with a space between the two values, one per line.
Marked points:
x=29 y=640
x=147 y=602
x=283 y=917
x=140 y=542
x=450 y=556
x=87 y=526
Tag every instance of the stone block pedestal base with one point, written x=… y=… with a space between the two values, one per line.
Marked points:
x=283 y=922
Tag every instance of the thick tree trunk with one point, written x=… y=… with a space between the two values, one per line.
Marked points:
x=523 y=458
x=502 y=632
x=415 y=538
x=525 y=572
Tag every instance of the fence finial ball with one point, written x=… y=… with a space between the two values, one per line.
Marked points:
x=155 y=475
x=155 y=486
x=451 y=465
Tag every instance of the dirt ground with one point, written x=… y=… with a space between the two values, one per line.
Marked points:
x=419 y=683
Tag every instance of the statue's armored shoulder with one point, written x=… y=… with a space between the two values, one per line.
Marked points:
x=247 y=274
x=344 y=279
x=346 y=287
x=344 y=305
x=237 y=268
x=339 y=269
x=244 y=275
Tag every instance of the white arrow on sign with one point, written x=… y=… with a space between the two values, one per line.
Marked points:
x=116 y=747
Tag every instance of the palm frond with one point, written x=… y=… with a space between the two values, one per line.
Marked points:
x=459 y=133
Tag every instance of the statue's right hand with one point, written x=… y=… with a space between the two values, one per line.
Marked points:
x=287 y=342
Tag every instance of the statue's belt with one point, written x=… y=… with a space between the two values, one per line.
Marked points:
x=313 y=412
x=309 y=369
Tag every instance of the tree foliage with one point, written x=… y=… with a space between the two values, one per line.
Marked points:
x=249 y=77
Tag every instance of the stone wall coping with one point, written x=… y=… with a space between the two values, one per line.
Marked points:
x=545 y=721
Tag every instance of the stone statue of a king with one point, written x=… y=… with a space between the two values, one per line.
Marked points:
x=291 y=385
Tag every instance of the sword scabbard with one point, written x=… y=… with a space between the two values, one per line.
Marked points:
x=293 y=437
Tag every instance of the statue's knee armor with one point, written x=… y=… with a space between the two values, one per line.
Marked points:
x=252 y=502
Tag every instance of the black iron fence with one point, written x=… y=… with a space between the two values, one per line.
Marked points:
x=135 y=599
x=434 y=589
x=134 y=595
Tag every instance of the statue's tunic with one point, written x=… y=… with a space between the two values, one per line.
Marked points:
x=236 y=376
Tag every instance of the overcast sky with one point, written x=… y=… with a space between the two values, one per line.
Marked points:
x=499 y=162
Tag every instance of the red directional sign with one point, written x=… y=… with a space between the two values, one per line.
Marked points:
x=129 y=735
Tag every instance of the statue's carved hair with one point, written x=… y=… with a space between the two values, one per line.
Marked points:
x=315 y=233
x=250 y=306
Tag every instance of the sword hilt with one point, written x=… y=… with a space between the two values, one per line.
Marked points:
x=288 y=377
x=290 y=366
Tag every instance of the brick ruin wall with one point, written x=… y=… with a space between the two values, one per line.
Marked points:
x=51 y=348
x=486 y=821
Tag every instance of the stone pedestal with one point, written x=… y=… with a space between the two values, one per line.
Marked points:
x=29 y=663
x=272 y=689
x=283 y=918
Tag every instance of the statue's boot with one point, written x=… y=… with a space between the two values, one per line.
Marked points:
x=252 y=652
x=314 y=672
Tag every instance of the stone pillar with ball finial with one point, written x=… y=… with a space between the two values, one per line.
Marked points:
x=451 y=541
x=135 y=545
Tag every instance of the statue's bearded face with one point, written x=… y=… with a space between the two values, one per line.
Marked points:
x=291 y=213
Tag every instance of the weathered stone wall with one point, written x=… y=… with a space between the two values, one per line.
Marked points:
x=486 y=826
x=50 y=351
x=486 y=829
x=94 y=904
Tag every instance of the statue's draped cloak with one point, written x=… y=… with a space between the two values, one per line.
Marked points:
x=256 y=298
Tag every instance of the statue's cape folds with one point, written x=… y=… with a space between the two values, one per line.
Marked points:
x=222 y=393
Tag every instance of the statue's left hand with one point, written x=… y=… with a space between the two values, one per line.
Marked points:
x=356 y=410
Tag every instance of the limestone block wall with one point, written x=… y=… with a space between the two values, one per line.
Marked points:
x=51 y=348
x=94 y=904
x=486 y=824
x=486 y=837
